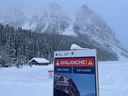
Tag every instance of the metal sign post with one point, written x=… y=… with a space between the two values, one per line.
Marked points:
x=76 y=73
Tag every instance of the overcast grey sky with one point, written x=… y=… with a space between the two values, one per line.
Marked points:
x=114 y=12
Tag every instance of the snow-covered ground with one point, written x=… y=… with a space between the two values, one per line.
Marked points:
x=26 y=81
x=113 y=78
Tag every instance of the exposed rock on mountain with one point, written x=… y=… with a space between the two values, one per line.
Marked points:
x=88 y=29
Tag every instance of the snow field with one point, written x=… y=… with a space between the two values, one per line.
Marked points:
x=113 y=78
x=26 y=81
x=35 y=81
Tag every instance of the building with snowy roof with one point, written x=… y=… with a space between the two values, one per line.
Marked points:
x=76 y=47
x=38 y=61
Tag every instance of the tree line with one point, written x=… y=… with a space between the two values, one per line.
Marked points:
x=18 y=46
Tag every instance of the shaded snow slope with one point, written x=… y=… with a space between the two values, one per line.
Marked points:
x=69 y=31
x=34 y=81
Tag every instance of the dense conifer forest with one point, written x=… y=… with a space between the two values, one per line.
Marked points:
x=18 y=46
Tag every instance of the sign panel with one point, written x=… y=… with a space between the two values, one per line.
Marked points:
x=75 y=73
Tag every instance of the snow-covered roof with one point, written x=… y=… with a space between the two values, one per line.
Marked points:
x=39 y=60
x=76 y=47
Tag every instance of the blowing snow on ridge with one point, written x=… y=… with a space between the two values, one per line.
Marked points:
x=87 y=26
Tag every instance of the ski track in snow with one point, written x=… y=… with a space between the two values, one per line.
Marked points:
x=34 y=81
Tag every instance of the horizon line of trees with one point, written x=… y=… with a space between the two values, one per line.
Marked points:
x=18 y=46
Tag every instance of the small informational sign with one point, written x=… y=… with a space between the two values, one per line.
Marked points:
x=75 y=73
x=50 y=73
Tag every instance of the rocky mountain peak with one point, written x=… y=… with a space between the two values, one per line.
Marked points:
x=85 y=9
x=54 y=6
x=89 y=23
x=88 y=26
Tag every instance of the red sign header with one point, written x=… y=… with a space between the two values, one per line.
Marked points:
x=83 y=61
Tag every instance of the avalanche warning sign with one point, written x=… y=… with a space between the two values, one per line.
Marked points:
x=75 y=73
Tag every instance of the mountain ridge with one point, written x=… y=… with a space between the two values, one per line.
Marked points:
x=87 y=26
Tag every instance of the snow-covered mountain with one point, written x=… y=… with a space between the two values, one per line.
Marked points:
x=88 y=23
x=53 y=20
x=87 y=26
